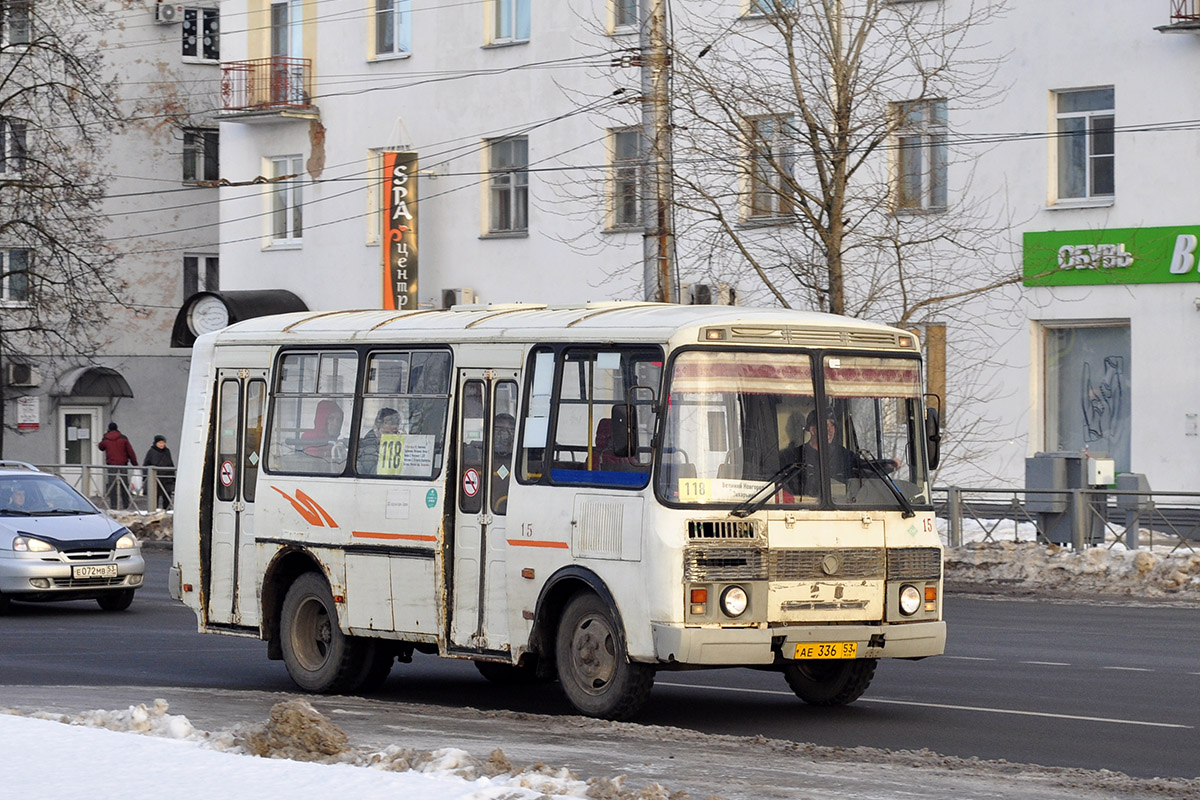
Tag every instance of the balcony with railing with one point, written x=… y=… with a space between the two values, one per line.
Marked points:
x=267 y=89
x=1185 y=17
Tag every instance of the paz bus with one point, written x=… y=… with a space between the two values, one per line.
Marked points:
x=592 y=494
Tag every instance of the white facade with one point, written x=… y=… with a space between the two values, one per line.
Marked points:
x=455 y=89
x=155 y=218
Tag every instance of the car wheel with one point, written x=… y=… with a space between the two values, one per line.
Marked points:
x=5 y=604
x=593 y=667
x=116 y=601
x=830 y=682
x=318 y=656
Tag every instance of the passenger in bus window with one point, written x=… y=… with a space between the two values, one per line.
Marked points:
x=504 y=429
x=387 y=422
x=327 y=426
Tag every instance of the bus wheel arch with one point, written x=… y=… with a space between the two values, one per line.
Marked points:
x=590 y=650
x=284 y=569
x=555 y=594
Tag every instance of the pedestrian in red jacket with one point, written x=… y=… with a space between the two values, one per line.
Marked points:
x=118 y=452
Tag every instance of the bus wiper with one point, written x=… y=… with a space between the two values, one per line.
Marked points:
x=864 y=455
x=750 y=505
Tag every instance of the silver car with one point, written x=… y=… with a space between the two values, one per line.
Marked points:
x=55 y=545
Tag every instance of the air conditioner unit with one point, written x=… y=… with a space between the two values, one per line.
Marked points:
x=463 y=296
x=168 y=13
x=21 y=375
x=708 y=294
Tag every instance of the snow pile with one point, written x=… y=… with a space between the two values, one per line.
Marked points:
x=296 y=731
x=1098 y=570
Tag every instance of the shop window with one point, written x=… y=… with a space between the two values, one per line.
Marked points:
x=1088 y=390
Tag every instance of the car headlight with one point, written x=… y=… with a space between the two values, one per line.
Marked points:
x=734 y=601
x=126 y=541
x=28 y=544
x=910 y=599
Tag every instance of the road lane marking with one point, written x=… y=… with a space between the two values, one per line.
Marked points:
x=970 y=658
x=1047 y=663
x=946 y=706
x=1130 y=669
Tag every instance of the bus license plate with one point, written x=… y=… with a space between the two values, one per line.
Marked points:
x=94 y=571
x=827 y=650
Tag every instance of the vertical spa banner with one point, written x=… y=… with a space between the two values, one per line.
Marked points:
x=399 y=230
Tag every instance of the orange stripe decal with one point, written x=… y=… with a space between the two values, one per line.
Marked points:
x=412 y=537
x=537 y=543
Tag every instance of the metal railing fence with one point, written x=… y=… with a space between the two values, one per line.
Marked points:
x=1097 y=517
x=140 y=490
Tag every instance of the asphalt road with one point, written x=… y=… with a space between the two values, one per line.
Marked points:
x=1056 y=684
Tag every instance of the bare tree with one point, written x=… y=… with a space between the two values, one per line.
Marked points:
x=813 y=146
x=58 y=281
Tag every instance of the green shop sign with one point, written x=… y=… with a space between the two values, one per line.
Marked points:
x=1116 y=255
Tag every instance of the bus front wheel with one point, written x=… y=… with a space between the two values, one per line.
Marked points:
x=832 y=682
x=593 y=667
x=319 y=657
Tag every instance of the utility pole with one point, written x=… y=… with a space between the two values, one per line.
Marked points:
x=658 y=240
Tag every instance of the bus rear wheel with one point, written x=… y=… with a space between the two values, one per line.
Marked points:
x=319 y=657
x=832 y=682
x=593 y=666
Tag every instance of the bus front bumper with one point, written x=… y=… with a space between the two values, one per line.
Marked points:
x=676 y=644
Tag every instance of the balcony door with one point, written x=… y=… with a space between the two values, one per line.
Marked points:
x=287 y=47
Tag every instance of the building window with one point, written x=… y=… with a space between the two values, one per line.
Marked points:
x=921 y=152
x=287 y=207
x=762 y=8
x=1086 y=146
x=200 y=149
x=393 y=27
x=16 y=21
x=771 y=160
x=14 y=275
x=202 y=33
x=508 y=167
x=627 y=177
x=1088 y=390
x=201 y=273
x=510 y=21
x=13 y=150
x=625 y=14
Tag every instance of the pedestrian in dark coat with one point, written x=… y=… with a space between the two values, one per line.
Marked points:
x=118 y=452
x=159 y=456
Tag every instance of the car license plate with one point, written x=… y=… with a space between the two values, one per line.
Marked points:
x=827 y=650
x=94 y=571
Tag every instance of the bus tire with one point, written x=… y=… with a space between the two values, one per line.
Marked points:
x=319 y=657
x=116 y=601
x=593 y=667
x=377 y=665
x=833 y=682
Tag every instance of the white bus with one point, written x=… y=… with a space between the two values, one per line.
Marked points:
x=593 y=493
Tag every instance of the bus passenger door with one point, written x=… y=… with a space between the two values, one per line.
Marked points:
x=241 y=409
x=487 y=410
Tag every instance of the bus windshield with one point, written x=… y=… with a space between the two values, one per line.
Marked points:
x=744 y=426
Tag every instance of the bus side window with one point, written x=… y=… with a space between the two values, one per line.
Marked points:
x=310 y=413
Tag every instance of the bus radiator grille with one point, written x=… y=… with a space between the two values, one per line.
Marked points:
x=721 y=529
x=840 y=564
x=724 y=564
x=914 y=563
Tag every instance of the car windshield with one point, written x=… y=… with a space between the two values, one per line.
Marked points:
x=35 y=495
x=746 y=428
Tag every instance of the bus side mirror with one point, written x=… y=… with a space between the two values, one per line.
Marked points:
x=624 y=420
x=933 y=437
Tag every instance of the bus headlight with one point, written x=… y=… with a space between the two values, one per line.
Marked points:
x=734 y=601
x=910 y=599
